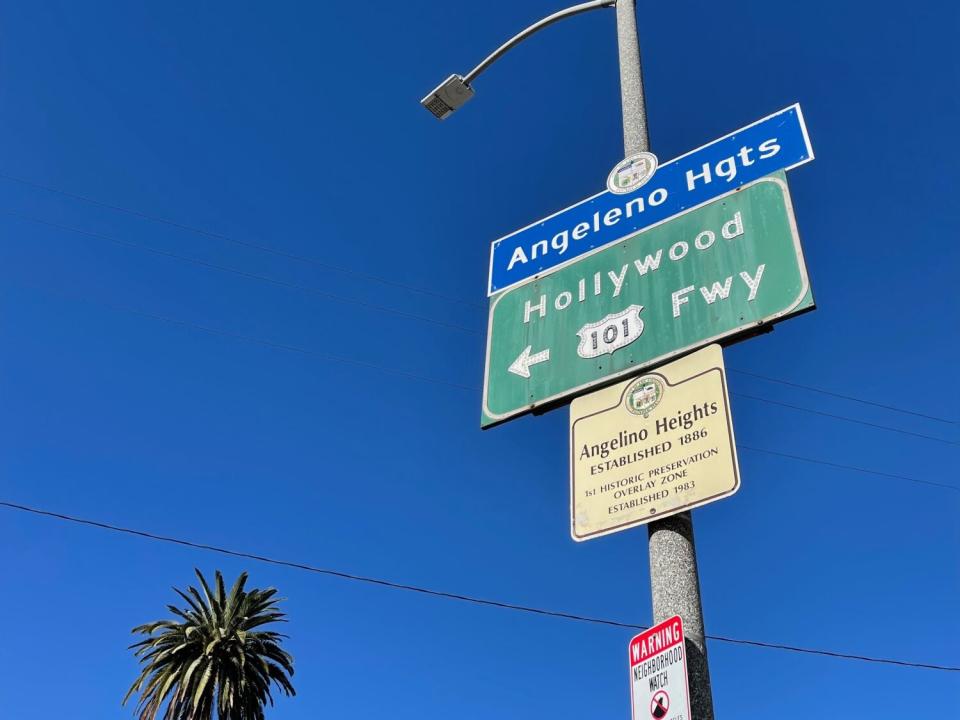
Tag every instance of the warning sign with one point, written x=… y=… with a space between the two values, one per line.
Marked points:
x=658 y=673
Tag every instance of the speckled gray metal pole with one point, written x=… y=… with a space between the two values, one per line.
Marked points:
x=635 y=137
x=674 y=580
x=675 y=584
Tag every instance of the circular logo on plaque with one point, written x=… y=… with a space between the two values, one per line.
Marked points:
x=644 y=395
x=631 y=173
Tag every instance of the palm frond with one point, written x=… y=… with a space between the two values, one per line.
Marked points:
x=210 y=660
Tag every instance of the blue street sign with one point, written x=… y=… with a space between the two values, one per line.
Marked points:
x=777 y=142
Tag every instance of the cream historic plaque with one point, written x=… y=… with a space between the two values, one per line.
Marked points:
x=652 y=446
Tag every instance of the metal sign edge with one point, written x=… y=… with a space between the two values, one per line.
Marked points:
x=810 y=157
x=497 y=418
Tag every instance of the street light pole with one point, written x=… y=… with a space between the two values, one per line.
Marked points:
x=674 y=580
x=675 y=586
x=635 y=137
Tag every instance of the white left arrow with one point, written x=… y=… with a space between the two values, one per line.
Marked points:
x=521 y=366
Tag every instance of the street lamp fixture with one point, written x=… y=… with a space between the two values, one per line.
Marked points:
x=447 y=97
x=453 y=92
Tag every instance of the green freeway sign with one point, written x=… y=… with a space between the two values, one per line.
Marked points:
x=719 y=270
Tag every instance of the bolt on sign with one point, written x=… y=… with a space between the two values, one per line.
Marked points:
x=658 y=673
x=719 y=270
x=652 y=446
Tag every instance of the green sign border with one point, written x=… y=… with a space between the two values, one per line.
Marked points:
x=803 y=303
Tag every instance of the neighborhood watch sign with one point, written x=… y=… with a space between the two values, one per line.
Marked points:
x=642 y=193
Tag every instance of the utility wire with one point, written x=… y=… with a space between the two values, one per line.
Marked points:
x=243 y=243
x=450 y=595
x=894 y=408
x=332 y=357
x=294 y=348
x=261 y=341
x=245 y=274
x=845 y=418
x=339 y=298
x=393 y=311
x=395 y=371
x=854 y=468
x=437 y=381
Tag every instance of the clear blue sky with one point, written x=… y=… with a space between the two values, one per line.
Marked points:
x=296 y=125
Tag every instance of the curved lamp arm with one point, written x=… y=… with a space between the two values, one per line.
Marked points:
x=537 y=26
x=455 y=90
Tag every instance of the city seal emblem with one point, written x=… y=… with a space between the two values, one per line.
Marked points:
x=632 y=173
x=644 y=395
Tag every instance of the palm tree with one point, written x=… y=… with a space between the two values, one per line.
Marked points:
x=212 y=658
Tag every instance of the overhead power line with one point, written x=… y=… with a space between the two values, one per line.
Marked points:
x=474 y=388
x=422 y=318
x=854 y=468
x=248 y=275
x=385 y=281
x=459 y=386
x=297 y=349
x=450 y=595
x=851 y=398
x=369 y=365
x=845 y=418
x=243 y=243
x=217 y=332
